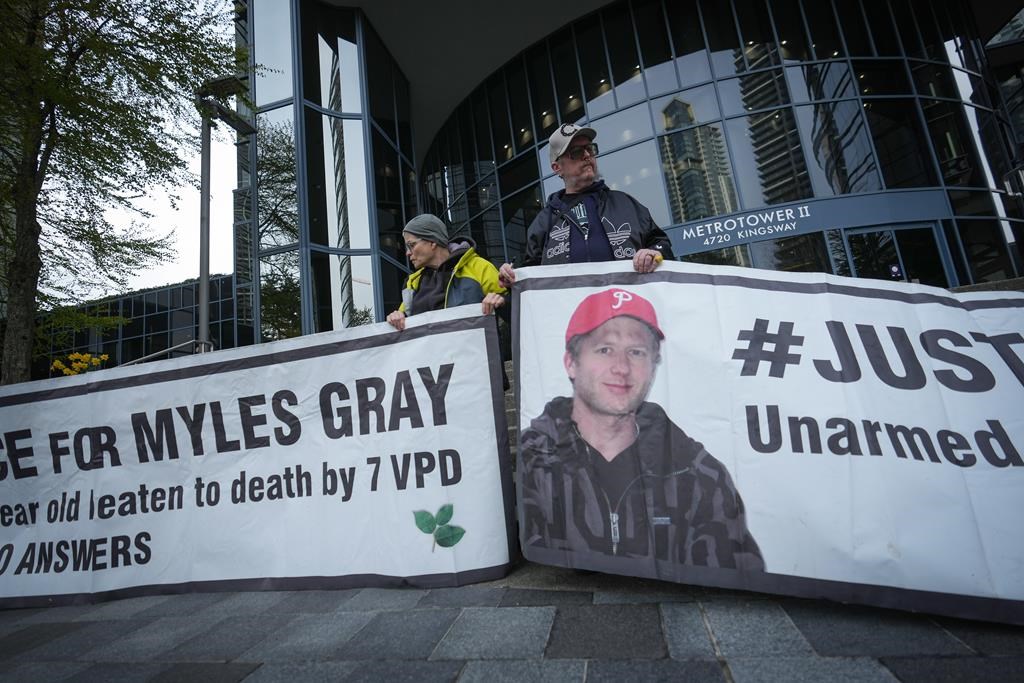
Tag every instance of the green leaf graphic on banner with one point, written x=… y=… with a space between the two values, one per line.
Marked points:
x=444 y=515
x=447 y=536
x=425 y=521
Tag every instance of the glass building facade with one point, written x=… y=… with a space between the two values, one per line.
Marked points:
x=865 y=139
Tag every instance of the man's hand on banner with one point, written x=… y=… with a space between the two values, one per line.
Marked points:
x=397 y=320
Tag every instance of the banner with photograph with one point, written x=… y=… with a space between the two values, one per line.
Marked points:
x=799 y=434
x=353 y=458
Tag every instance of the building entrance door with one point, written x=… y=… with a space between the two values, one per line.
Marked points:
x=908 y=254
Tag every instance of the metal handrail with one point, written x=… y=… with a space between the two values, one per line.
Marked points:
x=158 y=354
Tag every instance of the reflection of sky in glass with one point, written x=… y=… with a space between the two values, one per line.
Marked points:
x=637 y=171
x=339 y=67
x=623 y=128
x=277 y=199
x=272 y=50
x=346 y=195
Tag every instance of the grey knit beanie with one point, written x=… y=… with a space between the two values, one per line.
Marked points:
x=429 y=227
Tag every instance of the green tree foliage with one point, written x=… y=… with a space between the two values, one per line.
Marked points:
x=95 y=110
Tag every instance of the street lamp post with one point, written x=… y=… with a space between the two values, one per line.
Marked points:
x=211 y=109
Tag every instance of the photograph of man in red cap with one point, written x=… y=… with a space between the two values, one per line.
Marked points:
x=605 y=472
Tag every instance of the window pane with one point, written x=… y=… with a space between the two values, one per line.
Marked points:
x=851 y=19
x=697 y=174
x=272 y=50
x=760 y=90
x=899 y=142
x=404 y=111
x=724 y=44
x=954 y=147
x=392 y=282
x=543 y=97
x=387 y=183
x=498 y=102
x=921 y=261
x=825 y=81
x=800 y=254
x=838 y=148
x=696 y=105
x=986 y=250
x=280 y=308
x=342 y=291
x=482 y=126
x=331 y=58
x=688 y=41
x=769 y=161
x=519 y=211
x=567 y=82
x=882 y=30
x=485 y=230
x=336 y=175
x=836 y=248
x=624 y=127
x=933 y=80
x=756 y=31
x=522 y=127
x=654 y=47
x=729 y=256
x=907 y=30
x=882 y=77
x=792 y=36
x=618 y=31
x=518 y=174
x=824 y=34
x=380 y=81
x=597 y=82
x=636 y=170
x=277 y=206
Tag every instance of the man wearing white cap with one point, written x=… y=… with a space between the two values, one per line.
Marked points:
x=607 y=475
x=587 y=221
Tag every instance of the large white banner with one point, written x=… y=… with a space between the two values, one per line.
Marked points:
x=793 y=433
x=361 y=457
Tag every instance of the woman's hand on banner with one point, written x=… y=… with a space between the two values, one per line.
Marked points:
x=397 y=320
x=490 y=302
x=506 y=275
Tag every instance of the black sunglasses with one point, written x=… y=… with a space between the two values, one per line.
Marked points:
x=576 y=153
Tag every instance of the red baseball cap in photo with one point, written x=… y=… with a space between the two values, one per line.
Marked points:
x=599 y=308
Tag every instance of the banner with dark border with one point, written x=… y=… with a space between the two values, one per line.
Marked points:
x=365 y=457
x=799 y=434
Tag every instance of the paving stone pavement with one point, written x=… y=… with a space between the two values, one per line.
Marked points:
x=537 y=624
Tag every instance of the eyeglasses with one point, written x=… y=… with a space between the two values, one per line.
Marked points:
x=409 y=245
x=576 y=153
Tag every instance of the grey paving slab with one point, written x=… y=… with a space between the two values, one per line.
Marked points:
x=76 y=645
x=183 y=605
x=64 y=613
x=150 y=641
x=844 y=630
x=307 y=672
x=535 y=597
x=405 y=672
x=374 y=599
x=242 y=604
x=626 y=598
x=17 y=616
x=208 y=673
x=685 y=633
x=607 y=631
x=308 y=637
x=34 y=672
x=315 y=602
x=987 y=639
x=955 y=669
x=808 y=669
x=463 y=596
x=517 y=671
x=33 y=636
x=753 y=629
x=668 y=670
x=122 y=673
x=228 y=638
x=411 y=634
x=497 y=633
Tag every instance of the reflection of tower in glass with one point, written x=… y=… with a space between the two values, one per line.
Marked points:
x=341 y=281
x=838 y=130
x=695 y=166
x=774 y=139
